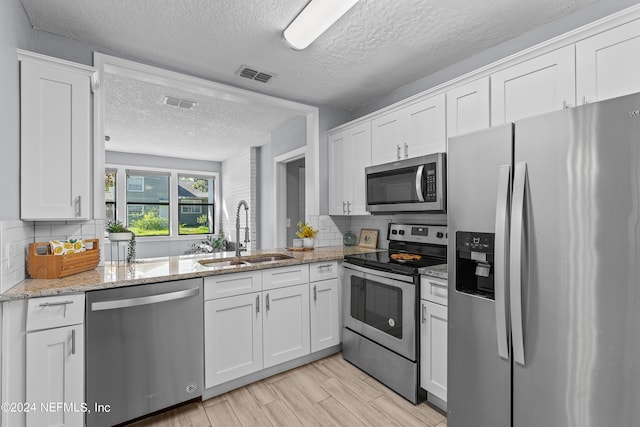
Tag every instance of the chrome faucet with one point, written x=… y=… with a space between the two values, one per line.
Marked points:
x=246 y=228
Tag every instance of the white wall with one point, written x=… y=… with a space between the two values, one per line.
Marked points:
x=239 y=183
x=15 y=32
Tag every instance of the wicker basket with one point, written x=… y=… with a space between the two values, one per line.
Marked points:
x=51 y=266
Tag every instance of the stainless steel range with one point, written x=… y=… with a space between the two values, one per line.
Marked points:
x=381 y=297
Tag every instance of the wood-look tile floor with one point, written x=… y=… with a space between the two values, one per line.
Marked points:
x=329 y=392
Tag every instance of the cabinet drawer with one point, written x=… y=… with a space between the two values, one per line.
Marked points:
x=227 y=285
x=323 y=271
x=53 y=312
x=434 y=290
x=285 y=276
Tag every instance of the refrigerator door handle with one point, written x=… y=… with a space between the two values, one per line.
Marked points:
x=515 y=261
x=501 y=259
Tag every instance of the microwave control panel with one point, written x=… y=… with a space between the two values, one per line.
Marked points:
x=430 y=187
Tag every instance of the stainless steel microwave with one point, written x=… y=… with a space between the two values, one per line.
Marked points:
x=411 y=185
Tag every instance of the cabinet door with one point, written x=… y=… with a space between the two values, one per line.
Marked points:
x=433 y=349
x=608 y=64
x=468 y=108
x=337 y=198
x=55 y=373
x=232 y=338
x=354 y=168
x=425 y=127
x=325 y=314
x=286 y=324
x=540 y=85
x=55 y=142
x=387 y=138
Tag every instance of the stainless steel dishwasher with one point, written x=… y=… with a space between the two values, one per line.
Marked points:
x=143 y=349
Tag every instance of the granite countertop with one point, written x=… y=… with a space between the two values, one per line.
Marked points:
x=154 y=270
x=440 y=271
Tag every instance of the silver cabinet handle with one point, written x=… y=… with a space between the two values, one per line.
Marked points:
x=501 y=250
x=419 y=192
x=267 y=302
x=79 y=206
x=52 y=304
x=406 y=150
x=515 y=261
x=398 y=152
x=424 y=313
x=257 y=304
x=344 y=207
x=348 y=207
x=73 y=341
x=315 y=292
x=320 y=267
x=151 y=299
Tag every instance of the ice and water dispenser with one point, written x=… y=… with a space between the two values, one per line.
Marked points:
x=474 y=263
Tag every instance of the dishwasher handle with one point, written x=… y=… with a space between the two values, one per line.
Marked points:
x=151 y=299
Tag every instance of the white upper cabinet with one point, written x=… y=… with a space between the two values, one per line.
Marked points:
x=539 y=85
x=608 y=64
x=468 y=108
x=349 y=155
x=411 y=131
x=55 y=139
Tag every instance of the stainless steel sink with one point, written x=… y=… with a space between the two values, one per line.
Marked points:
x=222 y=263
x=262 y=258
x=243 y=261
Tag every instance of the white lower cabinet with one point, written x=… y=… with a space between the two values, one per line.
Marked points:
x=433 y=336
x=55 y=362
x=233 y=337
x=286 y=324
x=252 y=331
x=324 y=302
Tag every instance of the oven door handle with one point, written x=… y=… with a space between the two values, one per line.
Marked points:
x=419 y=191
x=372 y=272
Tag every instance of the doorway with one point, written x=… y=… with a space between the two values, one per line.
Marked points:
x=290 y=186
x=295 y=198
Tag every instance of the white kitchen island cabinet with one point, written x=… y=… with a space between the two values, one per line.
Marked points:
x=349 y=155
x=539 y=85
x=608 y=64
x=413 y=130
x=55 y=361
x=55 y=138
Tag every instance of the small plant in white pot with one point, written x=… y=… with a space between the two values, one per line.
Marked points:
x=118 y=232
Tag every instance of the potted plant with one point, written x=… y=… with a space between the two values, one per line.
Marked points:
x=118 y=232
x=307 y=234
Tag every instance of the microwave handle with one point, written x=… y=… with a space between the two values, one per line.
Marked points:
x=419 y=191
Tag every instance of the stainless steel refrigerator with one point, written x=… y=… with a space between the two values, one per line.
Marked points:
x=544 y=270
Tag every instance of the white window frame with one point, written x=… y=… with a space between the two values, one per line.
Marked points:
x=121 y=196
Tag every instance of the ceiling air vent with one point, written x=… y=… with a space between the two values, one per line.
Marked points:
x=177 y=102
x=253 y=74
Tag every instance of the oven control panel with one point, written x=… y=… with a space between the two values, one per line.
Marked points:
x=418 y=233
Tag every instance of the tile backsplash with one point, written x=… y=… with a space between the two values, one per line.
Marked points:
x=15 y=237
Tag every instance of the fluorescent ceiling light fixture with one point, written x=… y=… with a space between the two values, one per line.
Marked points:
x=315 y=18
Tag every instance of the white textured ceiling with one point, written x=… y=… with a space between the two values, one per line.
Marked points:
x=378 y=46
x=137 y=121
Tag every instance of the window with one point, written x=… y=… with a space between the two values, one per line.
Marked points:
x=148 y=204
x=196 y=205
x=162 y=203
x=135 y=184
x=110 y=194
